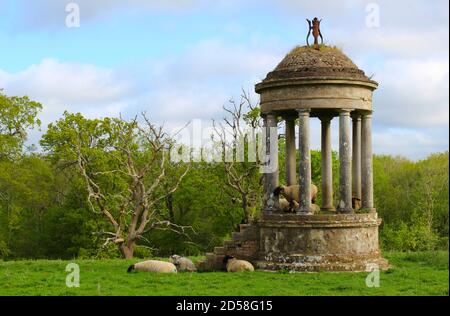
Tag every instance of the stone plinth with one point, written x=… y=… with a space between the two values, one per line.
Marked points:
x=343 y=242
x=305 y=243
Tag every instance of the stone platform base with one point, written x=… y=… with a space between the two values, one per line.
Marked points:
x=319 y=263
x=293 y=242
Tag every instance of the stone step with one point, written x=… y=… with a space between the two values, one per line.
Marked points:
x=210 y=256
x=203 y=266
x=219 y=250
x=242 y=227
x=236 y=236
x=228 y=244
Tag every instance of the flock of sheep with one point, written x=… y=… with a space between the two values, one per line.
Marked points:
x=289 y=198
x=288 y=202
x=182 y=264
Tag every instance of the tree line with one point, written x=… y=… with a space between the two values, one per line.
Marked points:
x=102 y=188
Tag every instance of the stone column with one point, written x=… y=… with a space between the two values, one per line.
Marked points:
x=305 y=162
x=270 y=167
x=327 y=171
x=356 y=156
x=290 y=162
x=345 y=160
x=366 y=163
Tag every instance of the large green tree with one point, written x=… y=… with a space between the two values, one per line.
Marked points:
x=17 y=114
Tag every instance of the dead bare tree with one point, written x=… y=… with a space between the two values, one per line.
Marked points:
x=124 y=166
x=236 y=134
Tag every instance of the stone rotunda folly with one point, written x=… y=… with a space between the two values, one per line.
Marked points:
x=307 y=84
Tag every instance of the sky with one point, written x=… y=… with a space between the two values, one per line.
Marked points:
x=180 y=60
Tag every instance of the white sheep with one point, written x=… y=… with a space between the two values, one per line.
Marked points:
x=235 y=265
x=153 y=266
x=292 y=192
x=315 y=208
x=285 y=206
x=183 y=264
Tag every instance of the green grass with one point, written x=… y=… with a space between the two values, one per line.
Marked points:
x=422 y=273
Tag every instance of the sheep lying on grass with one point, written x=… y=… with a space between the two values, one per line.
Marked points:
x=153 y=266
x=183 y=264
x=292 y=192
x=235 y=265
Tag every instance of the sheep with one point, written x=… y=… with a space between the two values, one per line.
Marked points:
x=315 y=208
x=356 y=203
x=292 y=192
x=183 y=264
x=285 y=206
x=153 y=266
x=234 y=265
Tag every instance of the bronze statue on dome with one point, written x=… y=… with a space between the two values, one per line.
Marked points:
x=314 y=26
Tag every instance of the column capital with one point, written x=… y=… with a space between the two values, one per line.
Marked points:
x=325 y=119
x=345 y=111
x=356 y=116
x=366 y=116
x=289 y=117
x=303 y=111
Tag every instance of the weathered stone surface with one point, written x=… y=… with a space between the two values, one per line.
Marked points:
x=356 y=156
x=323 y=242
x=326 y=165
x=290 y=155
x=341 y=242
x=322 y=96
x=345 y=163
x=325 y=84
x=244 y=245
x=305 y=162
x=323 y=81
x=366 y=163
x=306 y=62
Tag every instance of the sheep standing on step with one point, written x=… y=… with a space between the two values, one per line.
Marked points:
x=235 y=265
x=292 y=192
x=183 y=264
x=285 y=206
x=153 y=266
x=315 y=209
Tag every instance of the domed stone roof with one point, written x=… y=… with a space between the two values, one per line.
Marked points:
x=307 y=62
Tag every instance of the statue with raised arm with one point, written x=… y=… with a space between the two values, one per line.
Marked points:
x=314 y=26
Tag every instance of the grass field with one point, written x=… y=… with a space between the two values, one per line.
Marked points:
x=424 y=273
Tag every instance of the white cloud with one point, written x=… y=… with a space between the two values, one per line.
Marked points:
x=216 y=60
x=414 y=144
x=69 y=86
x=195 y=84
x=413 y=94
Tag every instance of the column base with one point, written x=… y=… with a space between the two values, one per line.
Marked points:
x=330 y=209
x=345 y=211
x=304 y=213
